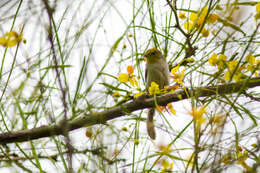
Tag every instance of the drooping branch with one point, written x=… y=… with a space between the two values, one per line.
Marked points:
x=138 y=104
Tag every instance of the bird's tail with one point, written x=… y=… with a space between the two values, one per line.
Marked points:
x=150 y=124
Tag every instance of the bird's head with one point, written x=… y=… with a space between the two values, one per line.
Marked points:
x=152 y=55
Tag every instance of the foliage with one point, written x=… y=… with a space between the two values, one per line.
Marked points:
x=63 y=62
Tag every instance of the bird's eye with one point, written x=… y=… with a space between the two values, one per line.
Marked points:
x=152 y=53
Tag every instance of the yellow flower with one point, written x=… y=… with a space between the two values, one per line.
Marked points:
x=221 y=61
x=218 y=119
x=178 y=77
x=257 y=16
x=258 y=7
x=136 y=141
x=250 y=59
x=179 y=80
x=124 y=129
x=227 y=158
x=190 y=160
x=116 y=94
x=175 y=69
x=130 y=77
x=227 y=76
x=154 y=89
x=193 y=17
x=115 y=153
x=165 y=149
x=213 y=59
x=172 y=110
x=205 y=32
x=212 y=18
x=130 y=69
x=133 y=81
x=242 y=157
x=217 y=60
x=222 y=57
x=237 y=76
x=89 y=133
x=254 y=145
x=204 y=12
x=258 y=62
x=250 y=68
x=190 y=59
x=138 y=94
x=2 y=41
x=197 y=114
x=232 y=65
x=182 y=15
x=123 y=77
x=200 y=22
x=11 y=39
x=188 y=26
x=197 y=19
x=166 y=166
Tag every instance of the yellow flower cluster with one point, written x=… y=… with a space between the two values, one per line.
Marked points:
x=217 y=60
x=170 y=107
x=178 y=76
x=242 y=157
x=234 y=69
x=128 y=77
x=11 y=39
x=116 y=94
x=139 y=94
x=199 y=19
x=217 y=121
x=182 y=15
x=197 y=114
x=166 y=166
x=154 y=89
x=253 y=64
x=257 y=15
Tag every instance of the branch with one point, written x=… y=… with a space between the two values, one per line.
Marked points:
x=118 y=111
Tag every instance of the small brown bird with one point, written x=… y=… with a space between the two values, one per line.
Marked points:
x=157 y=71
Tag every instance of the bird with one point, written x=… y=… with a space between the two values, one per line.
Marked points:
x=157 y=71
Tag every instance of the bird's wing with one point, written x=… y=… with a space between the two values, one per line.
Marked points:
x=145 y=75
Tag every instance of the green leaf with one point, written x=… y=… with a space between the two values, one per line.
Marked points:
x=251 y=116
x=58 y=66
x=113 y=87
x=114 y=47
x=225 y=22
x=106 y=74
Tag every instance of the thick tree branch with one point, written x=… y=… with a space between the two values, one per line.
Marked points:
x=138 y=104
